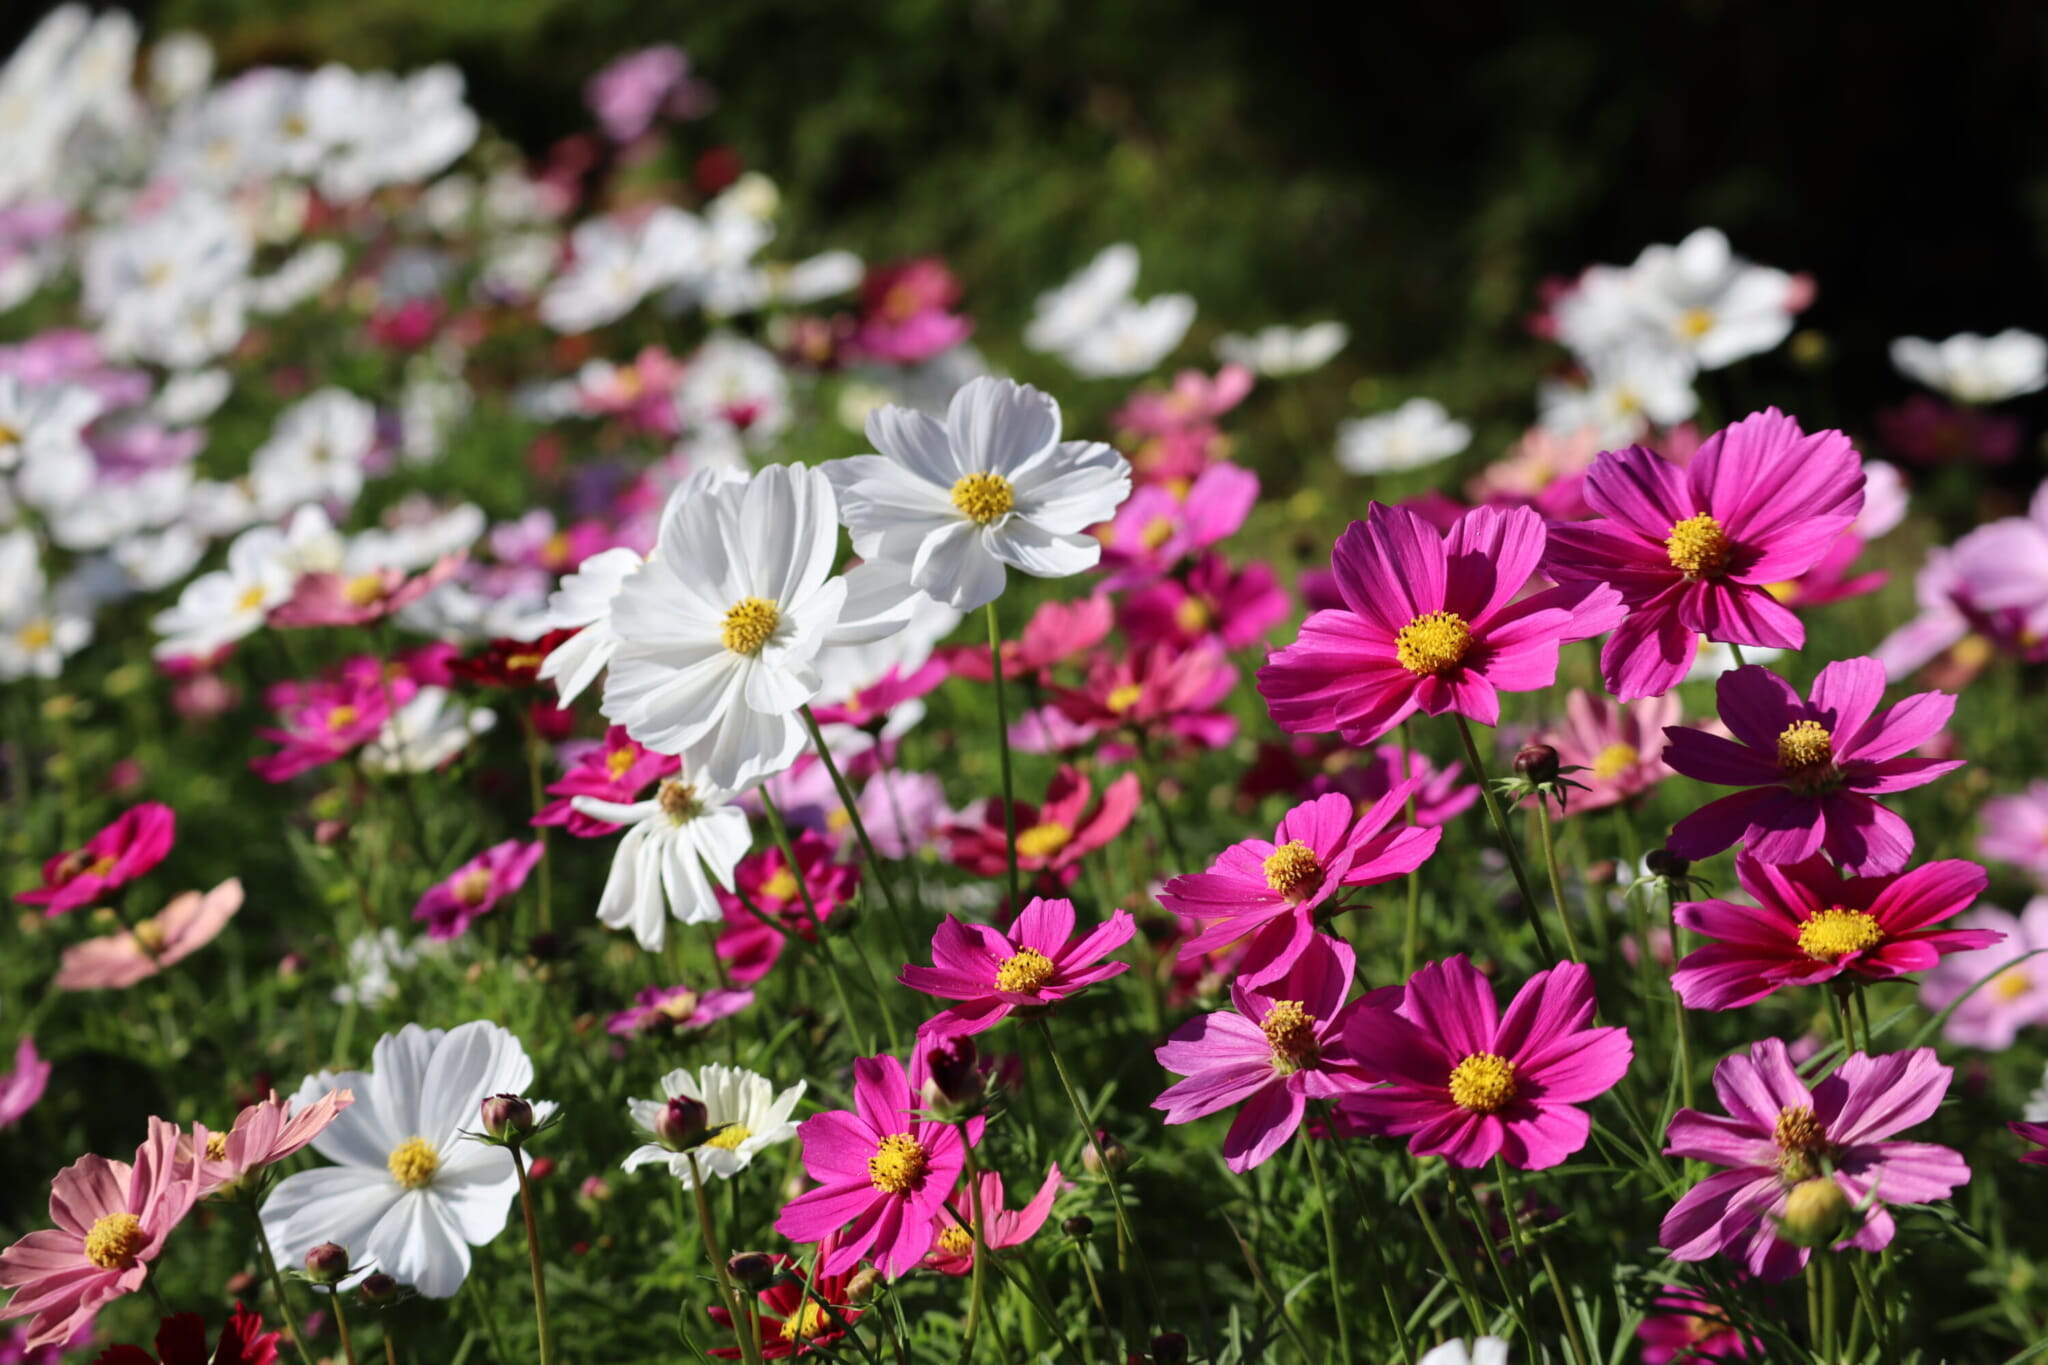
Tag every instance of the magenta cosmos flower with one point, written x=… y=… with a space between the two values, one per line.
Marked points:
x=1812 y=767
x=117 y=855
x=1779 y=1134
x=2036 y=1133
x=1041 y=961
x=1695 y=550
x=952 y=1250
x=881 y=1168
x=1468 y=1084
x=116 y=961
x=1618 y=747
x=111 y=1220
x=678 y=1009
x=476 y=888
x=617 y=770
x=23 y=1086
x=1286 y=1044
x=1430 y=623
x=1810 y=926
x=1684 y=1326
x=1272 y=891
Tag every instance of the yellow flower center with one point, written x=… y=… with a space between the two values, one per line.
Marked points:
x=983 y=498
x=35 y=635
x=114 y=1240
x=1433 y=643
x=782 y=886
x=216 y=1146
x=619 y=762
x=520 y=663
x=1483 y=1083
x=731 y=1136
x=1695 y=323
x=1156 y=533
x=1614 y=760
x=250 y=599
x=748 y=624
x=899 y=1163
x=956 y=1240
x=556 y=548
x=1801 y=1140
x=1026 y=970
x=1805 y=748
x=1698 y=547
x=363 y=589
x=1294 y=870
x=472 y=886
x=413 y=1162
x=1786 y=591
x=149 y=935
x=1123 y=698
x=678 y=801
x=1291 y=1030
x=679 y=1006
x=2011 y=984
x=8 y=435
x=1192 y=615
x=341 y=717
x=1043 y=841
x=808 y=1320
x=1835 y=933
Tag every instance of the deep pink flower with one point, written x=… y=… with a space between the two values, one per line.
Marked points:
x=906 y=313
x=1056 y=631
x=1431 y=623
x=617 y=771
x=1052 y=838
x=1234 y=606
x=1285 y=1043
x=1271 y=891
x=1684 y=1326
x=794 y=1320
x=2016 y=830
x=662 y=1009
x=111 y=1220
x=1692 y=550
x=333 y=599
x=474 y=889
x=130 y=846
x=1992 y=1016
x=952 y=1250
x=181 y=1340
x=1158 y=690
x=263 y=1134
x=116 y=961
x=1780 y=1133
x=1618 y=747
x=1813 y=767
x=1830 y=579
x=1441 y=794
x=1158 y=526
x=23 y=1086
x=1811 y=926
x=1193 y=403
x=1040 y=962
x=870 y=706
x=327 y=720
x=881 y=1168
x=2036 y=1133
x=750 y=947
x=1468 y=1084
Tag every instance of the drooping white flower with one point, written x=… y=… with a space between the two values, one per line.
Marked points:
x=1280 y=351
x=1063 y=316
x=426 y=731
x=688 y=836
x=1418 y=433
x=583 y=603
x=1976 y=369
x=743 y=1105
x=315 y=453
x=992 y=486
x=1134 y=338
x=409 y=1193
x=223 y=606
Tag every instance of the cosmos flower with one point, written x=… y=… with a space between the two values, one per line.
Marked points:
x=583 y=603
x=1781 y=1134
x=1810 y=926
x=1616 y=746
x=616 y=770
x=1683 y=1326
x=1159 y=526
x=133 y=844
x=1160 y=690
x=2036 y=1133
x=1051 y=838
x=800 y=1311
x=23 y=1086
x=750 y=948
x=455 y=902
x=1975 y=369
x=1040 y=962
x=262 y=1135
x=952 y=1250
x=117 y=961
x=1431 y=623
x=678 y=1009
x=1278 y=352
x=326 y=720
x=2016 y=830
x=1234 y=606
x=745 y=1112
x=1469 y=1084
x=1416 y=434
x=181 y=1340
x=1056 y=631
x=2014 y=998
x=681 y=841
x=1813 y=767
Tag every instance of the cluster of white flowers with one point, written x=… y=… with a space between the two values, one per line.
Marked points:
x=1976 y=369
x=1100 y=329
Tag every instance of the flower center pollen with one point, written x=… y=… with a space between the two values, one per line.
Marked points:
x=216 y=1146
x=413 y=1162
x=1044 y=841
x=983 y=498
x=1614 y=760
x=1025 y=971
x=731 y=1136
x=1806 y=749
x=472 y=886
x=1292 y=1032
x=618 y=763
x=805 y=1323
x=748 y=624
x=1123 y=698
x=1698 y=547
x=678 y=801
x=899 y=1164
x=956 y=1240
x=1835 y=933
x=1433 y=643
x=363 y=589
x=1483 y=1083
x=114 y=1240
x=1294 y=870
x=1801 y=1140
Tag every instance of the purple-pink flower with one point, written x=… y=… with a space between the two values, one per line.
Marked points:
x=1991 y=1015
x=23 y=1086
x=952 y=1250
x=474 y=889
x=1813 y=767
x=661 y=1009
x=1780 y=1134
x=1694 y=550
x=1618 y=747
x=2016 y=830
x=1430 y=623
x=1040 y=962
x=130 y=846
x=2036 y=1133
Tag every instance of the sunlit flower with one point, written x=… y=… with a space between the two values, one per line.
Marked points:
x=952 y=1250
x=681 y=841
x=801 y=1311
x=455 y=902
x=616 y=770
x=743 y=1110
x=1684 y=1326
x=1039 y=962
x=23 y=1086
x=1278 y=352
x=1051 y=838
x=263 y=1134
x=1976 y=369
x=133 y=844
x=117 y=961
x=2016 y=998
x=677 y=1009
x=749 y=947
x=1418 y=433
x=1616 y=746
x=424 y=732
x=2016 y=830
x=181 y=1340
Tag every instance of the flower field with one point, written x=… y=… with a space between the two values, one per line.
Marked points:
x=591 y=777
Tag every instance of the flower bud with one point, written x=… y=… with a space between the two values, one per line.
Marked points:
x=377 y=1289
x=1080 y=1225
x=1537 y=763
x=541 y=1169
x=507 y=1118
x=1662 y=862
x=1114 y=1155
x=327 y=1264
x=1817 y=1213
x=594 y=1189
x=682 y=1125
x=752 y=1270
x=1169 y=1348
x=957 y=1084
x=862 y=1286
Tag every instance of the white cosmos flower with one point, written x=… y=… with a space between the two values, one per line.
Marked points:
x=315 y=453
x=38 y=630
x=993 y=485
x=583 y=603
x=1976 y=369
x=1483 y=1351
x=43 y=426
x=1065 y=315
x=1628 y=391
x=425 y=732
x=408 y=1194
x=1697 y=300
x=218 y=608
x=1419 y=432
x=688 y=830
x=1279 y=351
x=616 y=266
x=718 y=631
x=733 y=383
x=742 y=1104
x=1134 y=338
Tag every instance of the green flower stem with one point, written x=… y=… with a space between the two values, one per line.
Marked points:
x=483 y=1310
x=1507 y=838
x=1511 y=1287
x=348 y=1346
x=1549 y=840
x=750 y=1347
x=284 y=1307
x=860 y=831
x=975 y=1303
x=1116 y=1198
x=1315 y=1166
x=1375 y=1266
x=1453 y=1267
x=1511 y=1206
x=995 y=664
x=803 y=886
x=540 y=1283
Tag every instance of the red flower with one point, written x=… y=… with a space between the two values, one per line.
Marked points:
x=1050 y=838
x=794 y=1323
x=181 y=1340
x=506 y=662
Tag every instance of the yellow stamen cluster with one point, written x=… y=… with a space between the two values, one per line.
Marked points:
x=1294 y=870
x=1433 y=643
x=731 y=1136
x=619 y=762
x=1835 y=933
x=808 y=1320
x=250 y=599
x=1695 y=323
x=1483 y=1083
x=1616 y=759
x=1800 y=1139
x=1291 y=1030
x=983 y=498
x=216 y=1146
x=35 y=635
x=342 y=716
x=1156 y=533
x=363 y=589
x=1123 y=698
x=679 y=1006
x=114 y=1241
x=1193 y=615
x=150 y=937
x=899 y=1164
x=1043 y=841
x=678 y=800
x=412 y=1163
x=748 y=625
x=782 y=886
x=1698 y=547
x=1025 y=970
x=472 y=886
x=956 y=1240
x=1805 y=748
x=2011 y=984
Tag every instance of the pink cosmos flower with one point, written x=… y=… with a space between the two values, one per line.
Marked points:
x=749 y=947
x=1685 y=1326
x=23 y=1086
x=2016 y=830
x=1618 y=747
x=1193 y=403
x=1781 y=1133
x=1271 y=891
x=1811 y=926
x=869 y=707
x=1234 y=606
x=1056 y=631
x=1991 y=584
x=136 y=842
x=906 y=313
x=1157 y=690
x=1468 y=1084
x=114 y=962
x=326 y=720
x=1545 y=470
x=333 y=599
x=952 y=1250
x=1830 y=579
x=794 y=1316
x=2036 y=1133
x=617 y=771
x=1813 y=767
x=1040 y=962
x=1287 y=1042
x=1431 y=624
x=1441 y=794
x=474 y=889
x=1692 y=549
x=881 y=1168
x=661 y=1009
x=1051 y=838
x=111 y=1220
x=1158 y=525
x=642 y=393
x=903 y=811
x=263 y=1134
x=634 y=90
x=2013 y=999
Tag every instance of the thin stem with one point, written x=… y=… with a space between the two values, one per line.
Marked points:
x=1511 y=1206
x=348 y=1347
x=1454 y=1267
x=390 y=1344
x=1549 y=840
x=1411 y=930
x=1680 y=1023
x=1094 y=1290
x=803 y=886
x=1375 y=1267
x=1517 y=1301
x=284 y=1307
x=1507 y=838
x=1828 y=1295
x=1736 y=650
x=860 y=829
x=975 y=1303
x=540 y=1284
x=995 y=663
x=1315 y=1166
x=483 y=1310
x=750 y=1349
x=156 y=1292
x=1866 y=1292
x=1157 y=791
x=1813 y=1320
x=1116 y=1198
